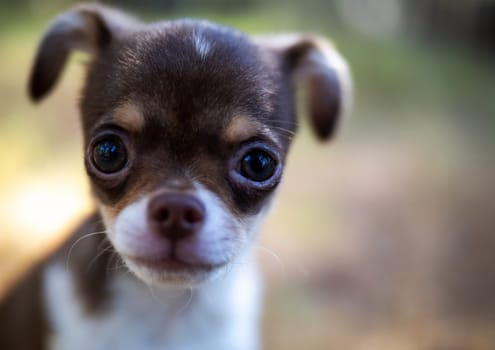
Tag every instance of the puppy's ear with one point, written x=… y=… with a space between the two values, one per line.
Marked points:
x=88 y=28
x=321 y=72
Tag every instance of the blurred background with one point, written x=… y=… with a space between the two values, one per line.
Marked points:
x=382 y=239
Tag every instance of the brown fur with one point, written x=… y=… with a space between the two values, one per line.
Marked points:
x=23 y=323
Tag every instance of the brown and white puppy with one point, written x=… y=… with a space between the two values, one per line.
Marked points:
x=186 y=126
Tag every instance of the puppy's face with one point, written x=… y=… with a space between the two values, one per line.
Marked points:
x=186 y=130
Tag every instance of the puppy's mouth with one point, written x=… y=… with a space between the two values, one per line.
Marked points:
x=171 y=237
x=169 y=269
x=172 y=264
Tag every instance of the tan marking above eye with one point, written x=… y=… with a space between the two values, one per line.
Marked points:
x=241 y=128
x=129 y=117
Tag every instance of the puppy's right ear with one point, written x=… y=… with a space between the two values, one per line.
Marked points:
x=316 y=67
x=88 y=28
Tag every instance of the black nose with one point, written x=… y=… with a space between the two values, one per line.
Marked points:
x=175 y=215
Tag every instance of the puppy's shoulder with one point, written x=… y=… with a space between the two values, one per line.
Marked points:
x=23 y=323
x=23 y=314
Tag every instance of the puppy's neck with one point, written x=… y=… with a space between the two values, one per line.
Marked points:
x=113 y=306
x=229 y=297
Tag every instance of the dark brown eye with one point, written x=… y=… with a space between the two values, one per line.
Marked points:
x=257 y=165
x=109 y=155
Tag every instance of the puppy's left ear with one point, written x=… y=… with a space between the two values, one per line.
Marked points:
x=316 y=67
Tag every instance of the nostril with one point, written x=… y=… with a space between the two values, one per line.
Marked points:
x=162 y=215
x=193 y=216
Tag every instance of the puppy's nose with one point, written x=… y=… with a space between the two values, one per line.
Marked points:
x=175 y=215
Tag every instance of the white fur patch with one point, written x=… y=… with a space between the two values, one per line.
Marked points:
x=220 y=315
x=201 y=44
x=129 y=226
x=221 y=238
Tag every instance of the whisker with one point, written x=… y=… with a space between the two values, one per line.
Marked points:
x=115 y=260
x=154 y=296
x=98 y=255
x=125 y=272
x=188 y=302
x=275 y=122
x=298 y=267
x=272 y=254
x=282 y=129
x=117 y=267
x=228 y=269
x=78 y=241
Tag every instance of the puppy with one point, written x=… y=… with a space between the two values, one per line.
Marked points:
x=186 y=126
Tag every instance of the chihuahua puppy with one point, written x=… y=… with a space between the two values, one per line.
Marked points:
x=186 y=126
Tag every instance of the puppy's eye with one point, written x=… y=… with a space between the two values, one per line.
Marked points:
x=257 y=165
x=110 y=155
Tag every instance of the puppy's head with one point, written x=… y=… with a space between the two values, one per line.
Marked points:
x=186 y=129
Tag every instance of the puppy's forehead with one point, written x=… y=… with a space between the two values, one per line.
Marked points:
x=190 y=69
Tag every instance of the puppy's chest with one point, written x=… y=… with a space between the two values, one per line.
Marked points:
x=136 y=318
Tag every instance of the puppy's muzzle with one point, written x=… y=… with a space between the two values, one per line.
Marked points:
x=175 y=216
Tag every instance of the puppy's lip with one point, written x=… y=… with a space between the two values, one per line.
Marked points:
x=172 y=264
